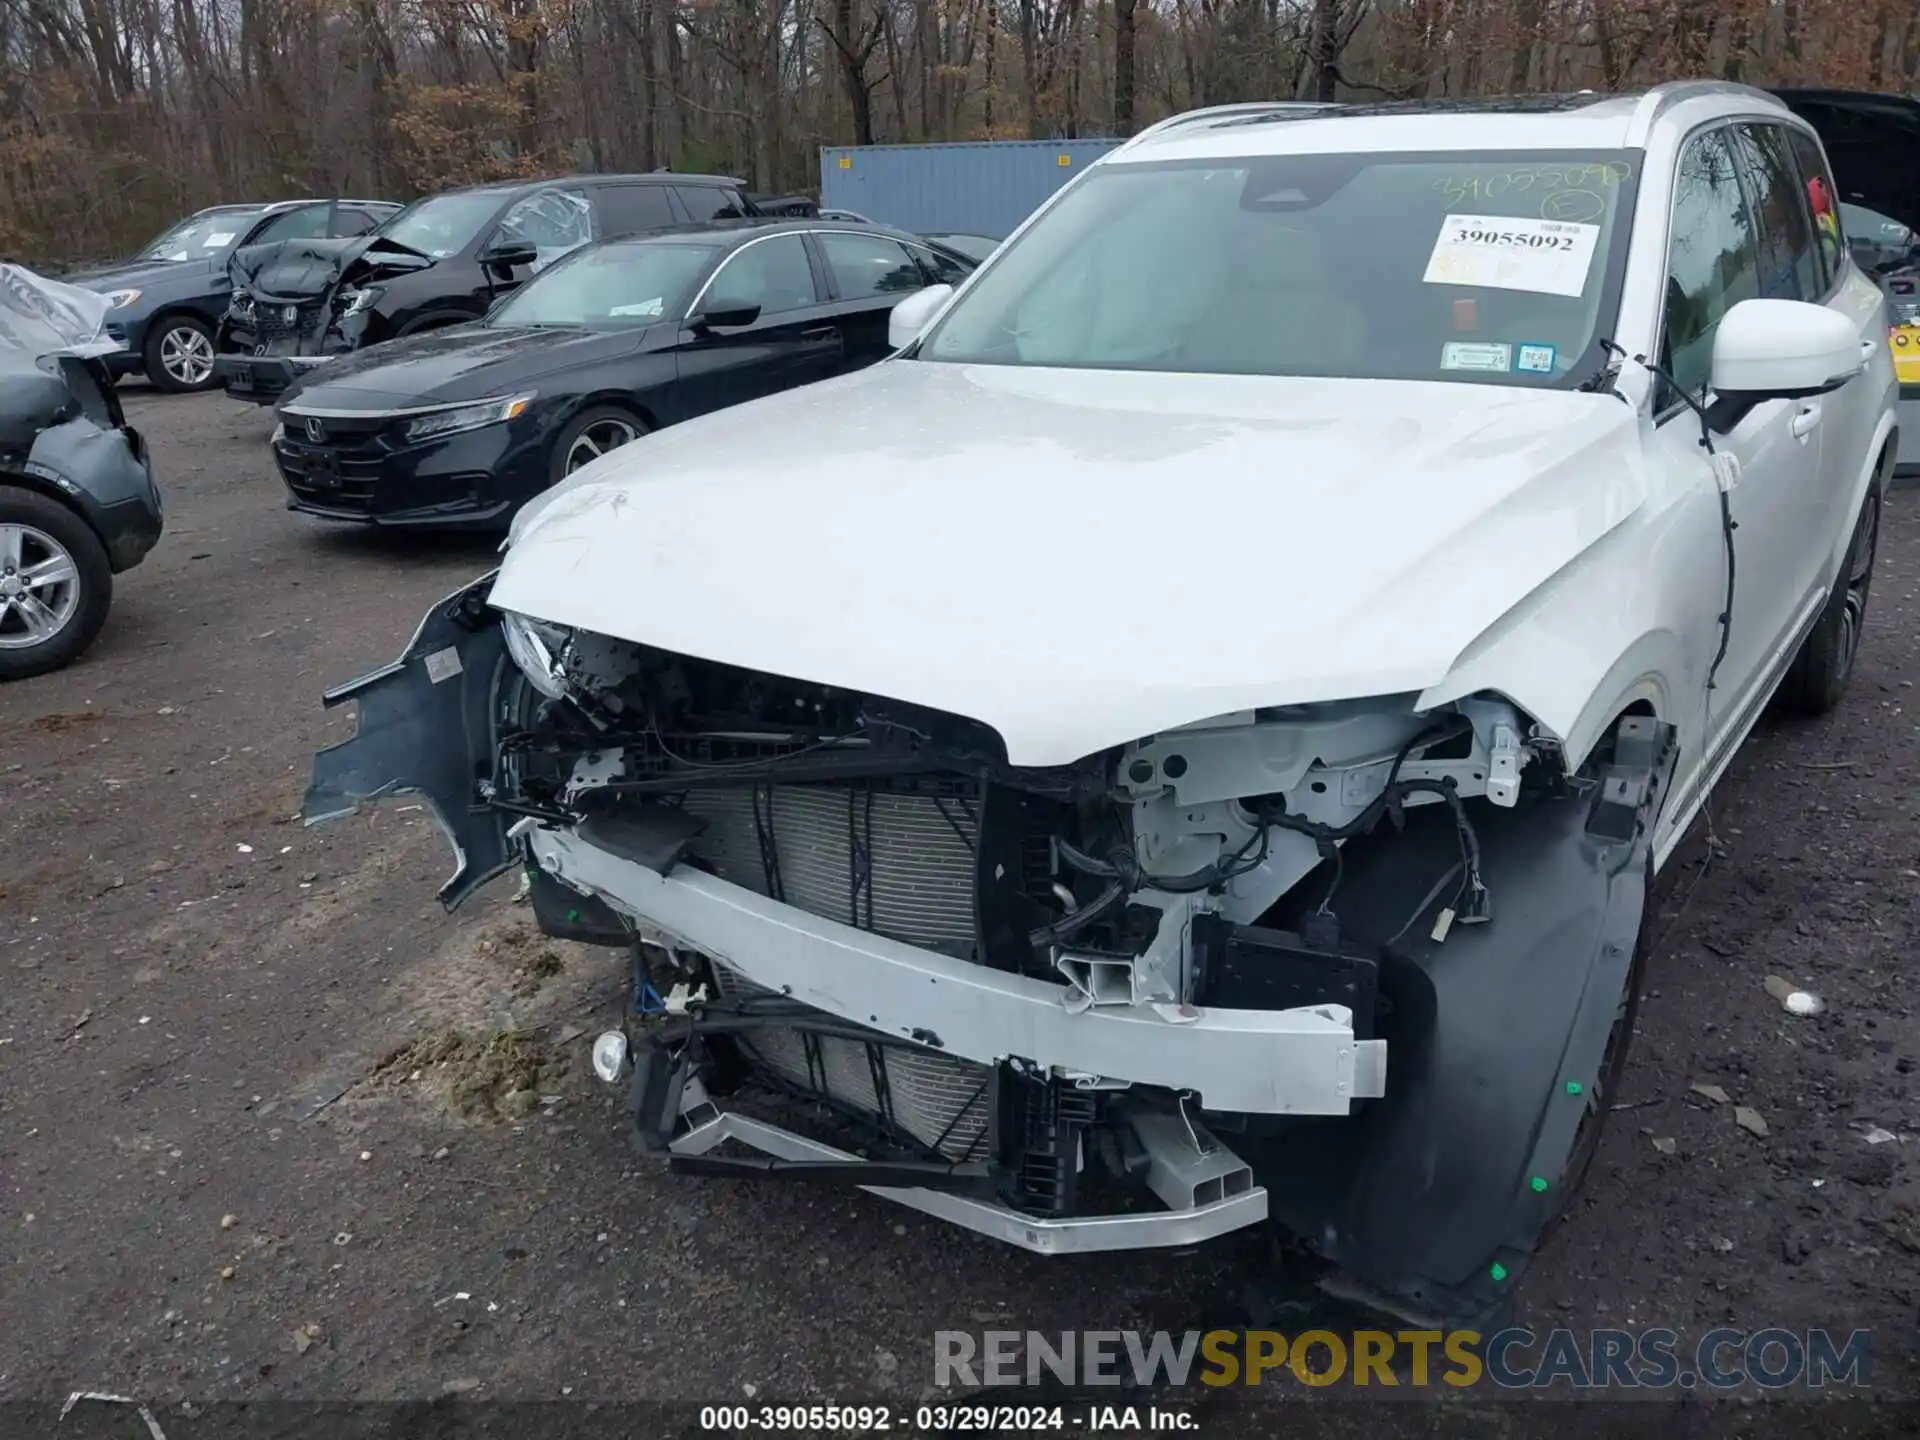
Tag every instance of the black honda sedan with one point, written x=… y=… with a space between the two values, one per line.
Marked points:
x=459 y=427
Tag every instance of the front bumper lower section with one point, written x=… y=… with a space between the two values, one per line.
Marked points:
x=1261 y=1062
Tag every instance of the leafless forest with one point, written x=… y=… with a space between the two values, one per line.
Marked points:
x=119 y=114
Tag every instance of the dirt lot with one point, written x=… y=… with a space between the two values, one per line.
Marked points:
x=272 y=1126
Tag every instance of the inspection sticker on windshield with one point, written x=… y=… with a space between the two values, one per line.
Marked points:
x=1511 y=252
x=217 y=239
x=1475 y=355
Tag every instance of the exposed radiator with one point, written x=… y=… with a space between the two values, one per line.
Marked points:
x=896 y=861
x=941 y=1101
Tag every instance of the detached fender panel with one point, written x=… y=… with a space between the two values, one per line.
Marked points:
x=1499 y=1035
x=429 y=726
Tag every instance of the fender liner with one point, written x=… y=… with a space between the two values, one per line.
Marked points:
x=430 y=725
x=1432 y=1200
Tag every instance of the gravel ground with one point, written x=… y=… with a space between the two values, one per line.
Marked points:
x=260 y=1136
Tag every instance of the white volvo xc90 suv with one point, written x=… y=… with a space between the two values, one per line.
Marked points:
x=1186 y=743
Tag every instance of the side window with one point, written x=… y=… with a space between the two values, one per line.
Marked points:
x=309 y=222
x=773 y=274
x=1789 y=260
x=708 y=202
x=867 y=266
x=1713 y=259
x=941 y=269
x=625 y=209
x=554 y=222
x=1829 y=231
x=354 y=222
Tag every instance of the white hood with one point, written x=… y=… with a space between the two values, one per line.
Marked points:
x=1080 y=559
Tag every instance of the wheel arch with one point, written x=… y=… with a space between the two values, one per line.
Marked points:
x=12 y=478
x=614 y=399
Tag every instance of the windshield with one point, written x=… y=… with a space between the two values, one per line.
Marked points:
x=1490 y=268
x=201 y=235
x=612 y=287
x=442 y=225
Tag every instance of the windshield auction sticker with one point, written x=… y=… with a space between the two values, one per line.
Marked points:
x=1513 y=252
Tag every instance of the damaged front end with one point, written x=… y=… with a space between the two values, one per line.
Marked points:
x=1347 y=966
x=297 y=304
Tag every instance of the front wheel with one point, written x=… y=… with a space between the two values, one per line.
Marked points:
x=591 y=434
x=1818 y=678
x=56 y=584
x=179 y=354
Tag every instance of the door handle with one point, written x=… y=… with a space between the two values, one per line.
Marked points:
x=1804 y=422
x=821 y=332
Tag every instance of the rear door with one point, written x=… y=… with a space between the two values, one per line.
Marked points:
x=793 y=341
x=1849 y=291
x=870 y=274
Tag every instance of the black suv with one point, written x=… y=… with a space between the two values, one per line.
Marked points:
x=166 y=300
x=444 y=260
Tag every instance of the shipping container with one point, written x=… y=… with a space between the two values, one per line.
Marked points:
x=981 y=188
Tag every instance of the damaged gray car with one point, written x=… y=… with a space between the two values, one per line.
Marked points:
x=78 y=502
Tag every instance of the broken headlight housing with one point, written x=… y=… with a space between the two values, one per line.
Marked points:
x=241 y=308
x=352 y=302
x=536 y=647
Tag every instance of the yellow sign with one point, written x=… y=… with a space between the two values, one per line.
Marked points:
x=1066 y=159
x=1905 y=341
x=846 y=162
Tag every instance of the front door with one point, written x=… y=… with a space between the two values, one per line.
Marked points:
x=1717 y=258
x=793 y=341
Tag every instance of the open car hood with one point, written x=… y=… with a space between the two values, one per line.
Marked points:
x=1873 y=141
x=307 y=269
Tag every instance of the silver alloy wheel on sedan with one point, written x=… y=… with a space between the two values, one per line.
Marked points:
x=39 y=587
x=187 y=355
x=598 y=438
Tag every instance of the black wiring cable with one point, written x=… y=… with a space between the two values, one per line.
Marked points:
x=1727 y=523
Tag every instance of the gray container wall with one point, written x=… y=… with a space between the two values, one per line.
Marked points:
x=986 y=188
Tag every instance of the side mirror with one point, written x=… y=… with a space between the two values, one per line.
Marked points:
x=1780 y=350
x=724 y=317
x=508 y=253
x=911 y=315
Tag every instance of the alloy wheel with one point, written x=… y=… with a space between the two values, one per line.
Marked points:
x=39 y=587
x=187 y=355
x=598 y=438
x=1859 y=579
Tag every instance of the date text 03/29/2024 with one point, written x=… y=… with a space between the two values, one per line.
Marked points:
x=942 y=1419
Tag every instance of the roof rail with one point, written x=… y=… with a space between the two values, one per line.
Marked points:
x=1662 y=98
x=1221 y=112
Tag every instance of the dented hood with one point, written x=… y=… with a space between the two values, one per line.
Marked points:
x=309 y=269
x=1080 y=558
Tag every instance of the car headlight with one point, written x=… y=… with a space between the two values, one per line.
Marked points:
x=466 y=417
x=536 y=647
x=354 y=301
x=120 y=299
x=241 y=307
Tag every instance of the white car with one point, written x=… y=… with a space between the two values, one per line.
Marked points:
x=1186 y=742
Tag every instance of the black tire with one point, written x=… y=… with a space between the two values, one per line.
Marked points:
x=178 y=354
x=1818 y=677
x=31 y=523
x=592 y=427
